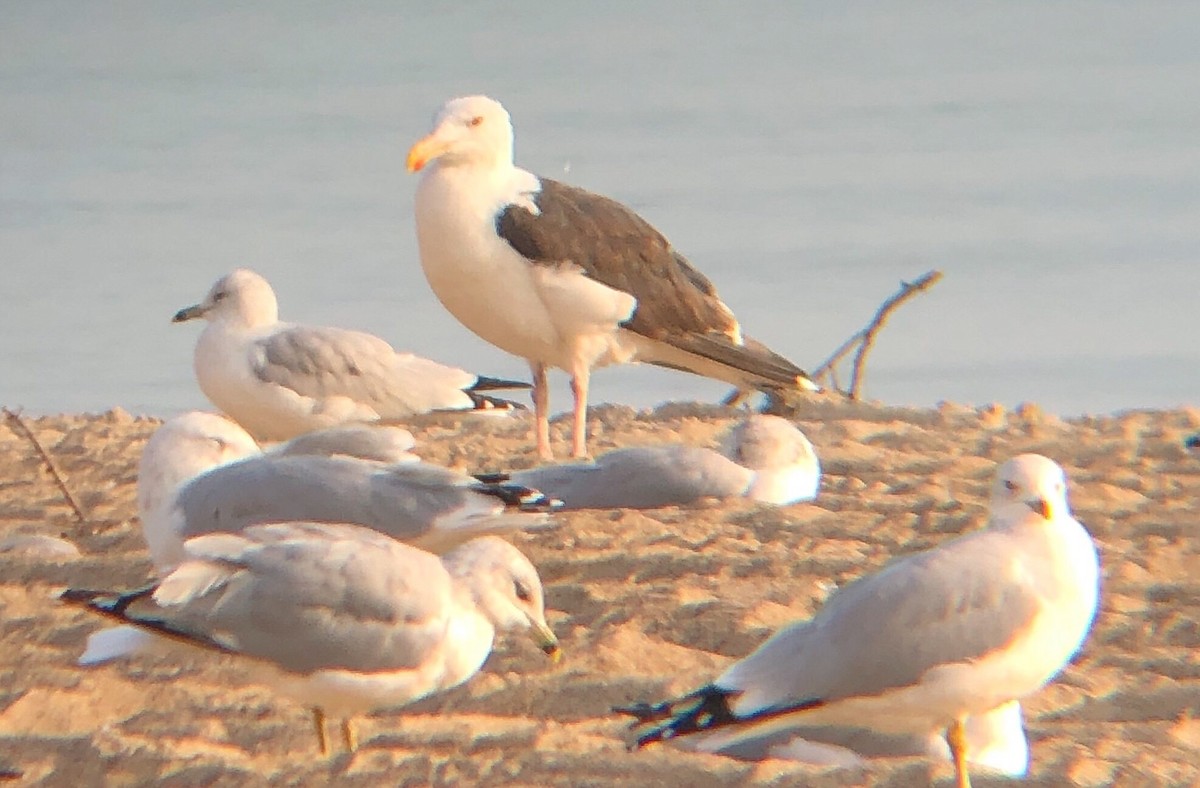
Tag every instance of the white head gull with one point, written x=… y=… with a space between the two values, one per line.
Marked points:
x=562 y=277
x=201 y=473
x=923 y=645
x=280 y=380
x=763 y=458
x=345 y=620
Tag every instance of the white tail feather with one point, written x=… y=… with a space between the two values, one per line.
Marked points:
x=115 y=642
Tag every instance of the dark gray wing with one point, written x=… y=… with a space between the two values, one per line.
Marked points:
x=676 y=304
x=615 y=246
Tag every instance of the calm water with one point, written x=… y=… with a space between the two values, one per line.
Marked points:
x=807 y=157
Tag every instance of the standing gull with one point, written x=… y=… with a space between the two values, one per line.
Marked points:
x=924 y=644
x=348 y=620
x=279 y=380
x=563 y=277
x=763 y=458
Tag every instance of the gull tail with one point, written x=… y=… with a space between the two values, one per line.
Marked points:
x=749 y=365
x=706 y=709
x=115 y=643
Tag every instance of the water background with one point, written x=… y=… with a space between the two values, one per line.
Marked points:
x=806 y=156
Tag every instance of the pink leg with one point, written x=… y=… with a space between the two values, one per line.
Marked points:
x=541 y=410
x=579 y=387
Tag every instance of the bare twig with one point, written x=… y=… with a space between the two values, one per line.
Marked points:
x=864 y=340
x=20 y=426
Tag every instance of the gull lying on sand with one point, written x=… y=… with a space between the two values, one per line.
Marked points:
x=763 y=458
x=200 y=473
x=280 y=380
x=924 y=644
x=347 y=619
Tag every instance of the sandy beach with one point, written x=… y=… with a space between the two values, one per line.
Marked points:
x=646 y=604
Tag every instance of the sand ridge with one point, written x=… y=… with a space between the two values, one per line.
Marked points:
x=645 y=604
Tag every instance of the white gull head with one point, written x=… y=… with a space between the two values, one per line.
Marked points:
x=241 y=298
x=473 y=131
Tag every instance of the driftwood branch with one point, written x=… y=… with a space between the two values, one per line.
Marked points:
x=864 y=340
x=19 y=426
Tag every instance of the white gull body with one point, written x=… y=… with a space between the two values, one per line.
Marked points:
x=562 y=277
x=924 y=644
x=763 y=458
x=201 y=473
x=279 y=380
x=343 y=619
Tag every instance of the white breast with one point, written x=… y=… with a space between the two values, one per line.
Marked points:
x=474 y=273
x=224 y=370
x=554 y=315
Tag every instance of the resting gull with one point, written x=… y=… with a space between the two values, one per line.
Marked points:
x=187 y=487
x=347 y=620
x=563 y=277
x=279 y=380
x=764 y=458
x=924 y=644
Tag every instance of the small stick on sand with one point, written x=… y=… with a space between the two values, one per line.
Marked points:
x=20 y=426
x=865 y=338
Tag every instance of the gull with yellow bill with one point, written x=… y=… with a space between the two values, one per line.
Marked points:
x=923 y=645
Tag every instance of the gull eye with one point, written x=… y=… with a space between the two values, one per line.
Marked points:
x=219 y=296
x=521 y=591
x=1010 y=485
x=475 y=121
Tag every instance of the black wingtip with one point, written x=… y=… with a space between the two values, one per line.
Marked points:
x=705 y=709
x=81 y=596
x=484 y=383
x=525 y=499
x=645 y=712
x=493 y=478
x=106 y=603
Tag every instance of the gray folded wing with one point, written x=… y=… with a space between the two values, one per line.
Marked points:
x=641 y=478
x=376 y=443
x=956 y=603
x=411 y=502
x=309 y=596
x=322 y=362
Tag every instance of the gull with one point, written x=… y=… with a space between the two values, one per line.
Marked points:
x=562 y=277
x=279 y=380
x=188 y=485
x=346 y=620
x=763 y=458
x=924 y=644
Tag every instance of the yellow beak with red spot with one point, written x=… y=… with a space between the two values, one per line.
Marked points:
x=425 y=150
